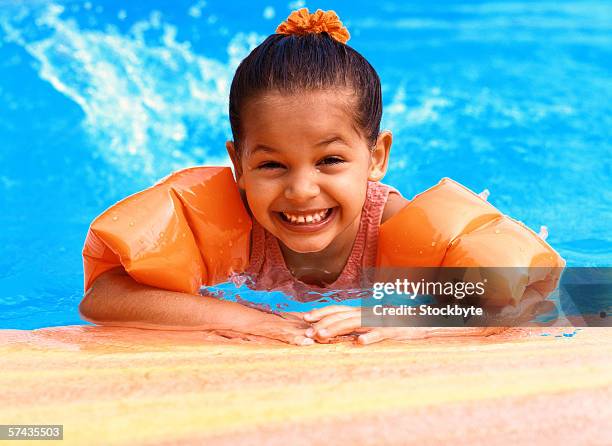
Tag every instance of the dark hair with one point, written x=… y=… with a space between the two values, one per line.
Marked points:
x=290 y=63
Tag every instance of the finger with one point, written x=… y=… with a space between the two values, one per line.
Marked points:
x=511 y=314
x=534 y=304
x=338 y=328
x=293 y=316
x=292 y=336
x=294 y=339
x=530 y=313
x=371 y=337
x=286 y=331
x=302 y=340
x=319 y=313
x=327 y=321
x=530 y=306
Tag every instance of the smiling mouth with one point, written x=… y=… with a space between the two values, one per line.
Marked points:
x=306 y=218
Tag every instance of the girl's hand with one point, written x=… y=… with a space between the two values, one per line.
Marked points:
x=287 y=327
x=332 y=321
x=338 y=320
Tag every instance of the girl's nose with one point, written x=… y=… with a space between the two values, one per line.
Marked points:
x=302 y=186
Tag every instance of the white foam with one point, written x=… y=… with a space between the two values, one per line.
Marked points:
x=269 y=12
x=195 y=10
x=399 y=115
x=148 y=99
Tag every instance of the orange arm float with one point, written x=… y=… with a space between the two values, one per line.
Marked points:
x=190 y=229
x=450 y=226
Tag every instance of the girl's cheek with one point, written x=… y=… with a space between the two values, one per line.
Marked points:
x=260 y=183
x=261 y=191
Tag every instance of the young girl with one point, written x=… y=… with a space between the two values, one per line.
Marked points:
x=308 y=154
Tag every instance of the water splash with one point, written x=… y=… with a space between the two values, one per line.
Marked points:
x=242 y=288
x=399 y=114
x=151 y=104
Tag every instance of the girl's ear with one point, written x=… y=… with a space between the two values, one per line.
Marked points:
x=379 y=156
x=231 y=151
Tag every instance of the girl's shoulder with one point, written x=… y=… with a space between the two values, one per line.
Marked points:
x=395 y=203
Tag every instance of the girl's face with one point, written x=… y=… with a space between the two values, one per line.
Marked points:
x=305 y=166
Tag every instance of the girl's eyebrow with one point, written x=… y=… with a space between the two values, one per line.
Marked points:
x=262 y=148
x=333 y=138
x=325 y=142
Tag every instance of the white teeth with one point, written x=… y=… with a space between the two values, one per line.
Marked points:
x=315 y=217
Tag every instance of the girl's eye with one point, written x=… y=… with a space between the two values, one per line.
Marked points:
x=270 y=165
x=331 y=161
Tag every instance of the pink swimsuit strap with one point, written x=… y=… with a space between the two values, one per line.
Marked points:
x=267 y=265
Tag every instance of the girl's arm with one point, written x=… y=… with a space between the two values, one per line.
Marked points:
x=395 y=203
x=118 y=300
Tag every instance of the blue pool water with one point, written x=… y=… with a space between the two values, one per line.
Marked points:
x=99 y=99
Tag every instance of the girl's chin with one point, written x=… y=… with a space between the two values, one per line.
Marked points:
x=304 y=246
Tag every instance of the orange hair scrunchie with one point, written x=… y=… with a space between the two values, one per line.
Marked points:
x=301 y=22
